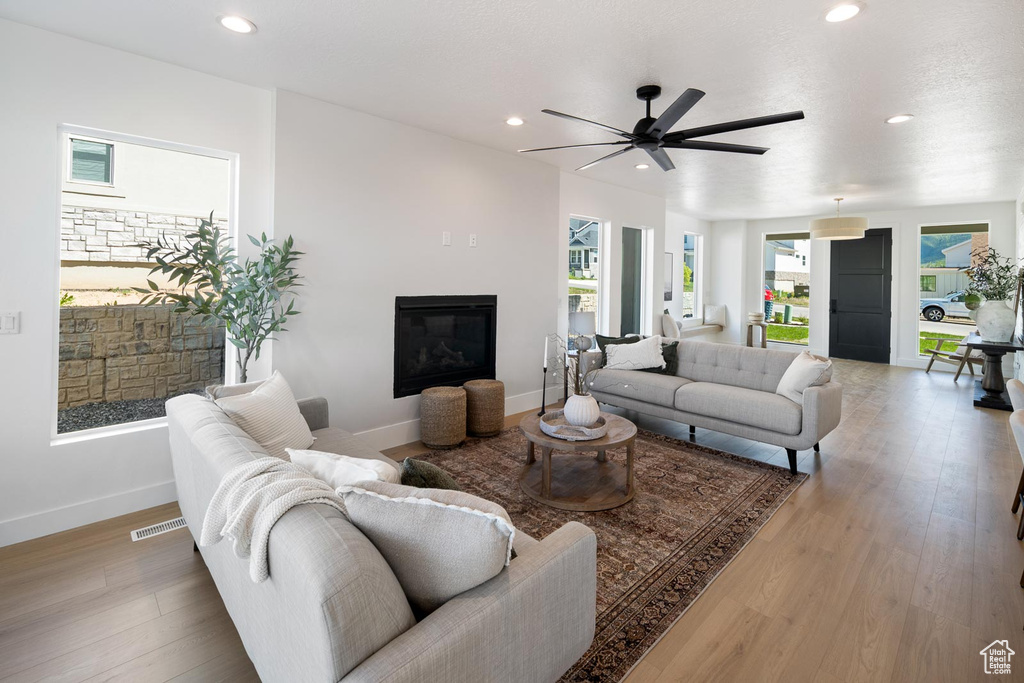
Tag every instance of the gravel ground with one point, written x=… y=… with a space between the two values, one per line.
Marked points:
x=117 y=412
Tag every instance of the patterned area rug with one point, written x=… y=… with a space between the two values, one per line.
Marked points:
x=694 y=510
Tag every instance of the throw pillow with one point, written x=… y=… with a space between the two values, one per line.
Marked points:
x=603 y=342
x=439 y=543
x=669 y=326
x=670 y=352
x=270 y=415
x=642 y=354
x=340 y=470
x=806 y=370
x=714 y=314
x=425 y=475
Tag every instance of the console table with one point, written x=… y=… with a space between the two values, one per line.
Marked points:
x=990 y=392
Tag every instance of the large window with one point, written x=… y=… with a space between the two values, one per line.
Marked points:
x=584 y=273
x=787 y=287
x=691 y=276
x=118 y=361
x=946 y=252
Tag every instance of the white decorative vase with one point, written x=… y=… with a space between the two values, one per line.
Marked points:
x=996 y=321
x=581 y=410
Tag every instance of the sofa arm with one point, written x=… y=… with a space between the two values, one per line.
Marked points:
x=314 y=411
x=530 y=623
x=823 y=409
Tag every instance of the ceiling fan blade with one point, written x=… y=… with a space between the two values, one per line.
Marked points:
x=730 y=126
x=593 y=123
x=590 y=144
x=604 y=158
x=675 y=111
x=660 y=156
x=715 y=147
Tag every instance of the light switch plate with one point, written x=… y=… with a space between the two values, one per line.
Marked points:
x=472 y=240
x=446 y=239
x=10 y=322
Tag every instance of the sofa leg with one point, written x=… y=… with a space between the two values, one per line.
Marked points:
x=791 y=452
x=693 y=432
x=817 y=448
x=195 y=547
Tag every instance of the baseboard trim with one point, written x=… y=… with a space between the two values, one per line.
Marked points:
x=389 y=436
x=79 y=514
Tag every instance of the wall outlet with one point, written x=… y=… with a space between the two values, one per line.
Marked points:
x=446 y=239
x=10 y=322
x=472 y=240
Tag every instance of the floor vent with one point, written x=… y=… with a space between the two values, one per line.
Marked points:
x=157 y=529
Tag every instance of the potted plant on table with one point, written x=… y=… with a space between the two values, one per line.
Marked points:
x=253 y=300
x=993 y=280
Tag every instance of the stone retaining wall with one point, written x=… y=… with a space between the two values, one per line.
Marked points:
x=108 y=235
x=114 y=353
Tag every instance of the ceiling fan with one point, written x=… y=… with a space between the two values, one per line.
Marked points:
x=653 y=136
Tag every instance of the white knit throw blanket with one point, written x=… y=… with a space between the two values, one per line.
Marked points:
x=251 y=498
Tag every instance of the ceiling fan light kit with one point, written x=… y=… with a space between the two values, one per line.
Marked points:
x=653 y=137
x=839 y=227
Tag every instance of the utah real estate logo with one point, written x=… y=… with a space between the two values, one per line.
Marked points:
x=997 y=657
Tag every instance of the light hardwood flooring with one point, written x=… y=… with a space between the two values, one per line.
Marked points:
x=896 y=560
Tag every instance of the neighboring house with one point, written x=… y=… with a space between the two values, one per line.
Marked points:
x=958 y=255
x=786 y=264
x=583 y=245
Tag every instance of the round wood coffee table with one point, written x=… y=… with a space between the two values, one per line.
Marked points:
x=580 y=476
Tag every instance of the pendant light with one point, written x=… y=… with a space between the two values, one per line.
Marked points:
x=839 y=227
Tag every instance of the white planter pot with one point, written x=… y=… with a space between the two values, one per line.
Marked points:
x=996 y=321
x=581 y=410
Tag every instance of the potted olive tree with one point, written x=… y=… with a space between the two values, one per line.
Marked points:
x=994 y=281
x=253 y=300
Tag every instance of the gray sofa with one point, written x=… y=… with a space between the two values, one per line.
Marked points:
x=328 y=611
x=725 y=388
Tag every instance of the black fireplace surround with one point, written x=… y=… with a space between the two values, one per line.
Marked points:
x=443 y=341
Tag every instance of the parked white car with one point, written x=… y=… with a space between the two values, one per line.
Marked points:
x=951 y=305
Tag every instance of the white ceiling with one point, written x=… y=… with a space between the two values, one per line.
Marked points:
x=461 y=67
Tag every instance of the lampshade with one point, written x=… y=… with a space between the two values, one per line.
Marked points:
x=583 y=323
x=839 y=227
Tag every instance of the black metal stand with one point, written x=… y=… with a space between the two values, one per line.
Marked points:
x=543 y=393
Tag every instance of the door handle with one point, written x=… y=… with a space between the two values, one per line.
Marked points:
x=832 y=306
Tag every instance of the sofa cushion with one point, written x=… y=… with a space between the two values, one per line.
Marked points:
x=270 y=415
x=737 y=366
x=643 y=354
x=806 y=370
x=641 y=386
x=439 y=543
x=339 y=470
x=742 y=406
x=335 y=440
x=669 y=327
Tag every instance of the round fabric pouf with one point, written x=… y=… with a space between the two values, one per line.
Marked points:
x=443 y=417
x=485 y=406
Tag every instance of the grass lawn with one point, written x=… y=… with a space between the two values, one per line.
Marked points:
x=928 y=345
x=785 y=333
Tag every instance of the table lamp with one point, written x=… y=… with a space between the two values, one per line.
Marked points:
x=582 y=324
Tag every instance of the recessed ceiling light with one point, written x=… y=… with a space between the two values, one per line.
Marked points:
x=899 y=118
x=848 y=10
x=641 y=167
x=237 y=24
x=514 y=121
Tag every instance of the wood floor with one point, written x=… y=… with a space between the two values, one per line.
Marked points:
x=896 y=560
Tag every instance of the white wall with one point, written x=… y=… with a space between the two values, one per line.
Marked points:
x=616 y=207
x=46 y=487
x=729 y=277
x=676 y=225
x=906 y=254
x=368 y=199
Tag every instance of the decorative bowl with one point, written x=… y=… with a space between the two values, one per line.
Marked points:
x=554 y=424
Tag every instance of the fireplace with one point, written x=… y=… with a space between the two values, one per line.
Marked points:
x=443 y=341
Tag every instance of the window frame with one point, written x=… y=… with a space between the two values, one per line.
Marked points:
x=65 y=132
x=70 y=160
x=698 y=279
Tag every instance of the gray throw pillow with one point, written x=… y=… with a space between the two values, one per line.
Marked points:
x=425 y=475
x=438 y=543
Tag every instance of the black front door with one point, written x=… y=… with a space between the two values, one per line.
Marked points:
x=632 y=268
x=860 y=297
